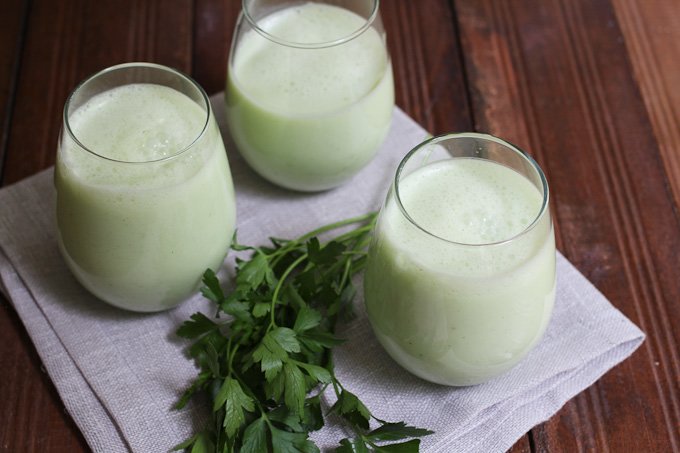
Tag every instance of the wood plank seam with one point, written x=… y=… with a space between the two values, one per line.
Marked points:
x=469 y=107
x=151 y=37
x=664 y=116
x=507 y=58
x=132 y=39
x=62 y=72
x=419 y=69
x=506 y=21
x=140 y=44
x=626 y=218
x=593 y=396
x=407 y=49
x=410 y=72
x=13 y=86
x=399 y=64
x=191 y=65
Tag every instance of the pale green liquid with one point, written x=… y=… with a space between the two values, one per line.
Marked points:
x=140 y=235
x=309 y=119
x=461 y=314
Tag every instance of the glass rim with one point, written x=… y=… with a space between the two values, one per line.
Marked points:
x=317 y=45
x=122 y=66
x=439 y=138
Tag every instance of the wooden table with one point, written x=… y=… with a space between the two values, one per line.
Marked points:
x=590 y=87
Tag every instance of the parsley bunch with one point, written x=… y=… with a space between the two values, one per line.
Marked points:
x=266 y=367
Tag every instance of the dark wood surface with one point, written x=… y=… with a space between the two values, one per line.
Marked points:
x=590 y=87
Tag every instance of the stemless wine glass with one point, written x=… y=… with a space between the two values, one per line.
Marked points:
x=460 y=278
x=309 y=92
x=145 y=200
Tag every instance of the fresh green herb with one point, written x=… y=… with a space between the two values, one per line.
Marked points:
x=267 y=365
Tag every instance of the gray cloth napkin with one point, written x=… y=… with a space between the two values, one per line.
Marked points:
x=120 y=373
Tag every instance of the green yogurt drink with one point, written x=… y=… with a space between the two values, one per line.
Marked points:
x=460 y=279
x=309 y=95
x=145 y=201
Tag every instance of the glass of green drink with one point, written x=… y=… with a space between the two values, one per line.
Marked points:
x=309 y=91
x=145 y=200
x=460 y=278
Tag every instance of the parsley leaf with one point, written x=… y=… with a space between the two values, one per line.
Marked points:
x=231 y=396
x=412 y=446
x=396 y=431
x=307 y=318
x=197 y=326
x=295 y=389
x=287 y=442
x=352 y=409
x=285 y=338
x=352 y=446
x=255 y=437
x=212 y=289
x=271 y=356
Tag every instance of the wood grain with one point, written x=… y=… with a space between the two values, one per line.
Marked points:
x=580 y=112
x=214 y=23
x=652 y=35
x=429 y=77
x=65 y=41
x=13 y=15
x=33 y=419
x=589 y=87
x=69 y=40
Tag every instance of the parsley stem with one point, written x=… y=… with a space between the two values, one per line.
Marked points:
x=331 y=370
x=290 y=245
x=279 y=285
x=345 y=274
x=354 y=233
x=336 y=384
x=229 y=356
x=232 y=354
x=336 y=225
x=355 y=252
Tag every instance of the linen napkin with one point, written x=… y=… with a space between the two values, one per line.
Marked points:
x=120 y=373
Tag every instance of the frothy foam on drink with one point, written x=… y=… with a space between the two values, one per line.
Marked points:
x=465 y=201
x=137 y=123
x=304 y=81
x=462 y=201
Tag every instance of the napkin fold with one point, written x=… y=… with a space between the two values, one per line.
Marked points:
x=120 y=373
